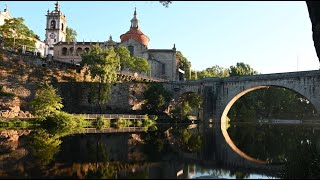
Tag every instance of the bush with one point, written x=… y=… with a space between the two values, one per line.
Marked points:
x=102 y=123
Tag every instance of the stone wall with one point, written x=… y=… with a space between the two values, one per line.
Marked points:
x=124 y=98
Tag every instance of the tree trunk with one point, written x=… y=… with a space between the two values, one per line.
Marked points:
x=314 y=14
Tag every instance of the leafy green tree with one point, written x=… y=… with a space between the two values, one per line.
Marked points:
x=188 y=104
x=140 y=65
x=214 y=71
x=184 y=64
x=71 y=35
x=157 y=98
x=132 y=63
x=46 y=101
x=241 y=69
x=125 y=58
x=103 y=65
x=15 y=33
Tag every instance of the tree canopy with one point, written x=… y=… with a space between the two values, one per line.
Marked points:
x=214 y=71
x=46 y=101
x=157 y=98
x=102 y=63
x=15 y=34
x=71 y=35
x=184 y=64
x=241 y=69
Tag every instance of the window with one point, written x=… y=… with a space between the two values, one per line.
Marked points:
x=79 y=51
x=53 y=24
x=163 y=69
x=131 y=49
x=64 y=51
x=61 y=26
x=71 y=51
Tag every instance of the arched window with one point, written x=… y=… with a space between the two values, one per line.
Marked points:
x=61 y=26
x=53 y=24
x=87 y=49
x=71 y=51
x=64 y=51
x=131 y=49
x=79 y=51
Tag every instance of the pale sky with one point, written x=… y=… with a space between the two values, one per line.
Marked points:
x=270 y=36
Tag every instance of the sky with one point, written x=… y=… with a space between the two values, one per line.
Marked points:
x=270 y=36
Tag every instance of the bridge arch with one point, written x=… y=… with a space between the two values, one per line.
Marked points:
x=235 y=95
x=224 y=121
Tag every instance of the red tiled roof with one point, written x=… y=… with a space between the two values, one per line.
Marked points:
x=135 y=34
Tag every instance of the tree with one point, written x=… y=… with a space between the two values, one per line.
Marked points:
x=103 y=65
x=241 y=69
x=184 y=64
x=214 y=71
x=188 y=104
x=314 y=15
x=157 y=98
x=140 y=65
x=46 y=101
x=15 y=34
x=132 y=63
x=71 y=35
x=125 y=58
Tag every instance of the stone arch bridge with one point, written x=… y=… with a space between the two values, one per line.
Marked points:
x=220 y=94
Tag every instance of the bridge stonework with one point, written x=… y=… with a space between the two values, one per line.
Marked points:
x=220 y=94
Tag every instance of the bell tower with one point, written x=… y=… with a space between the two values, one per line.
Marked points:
x=55 y=27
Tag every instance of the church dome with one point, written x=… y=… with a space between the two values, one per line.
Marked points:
x=135 y=33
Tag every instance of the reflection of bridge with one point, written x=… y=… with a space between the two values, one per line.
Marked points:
x=216 y=153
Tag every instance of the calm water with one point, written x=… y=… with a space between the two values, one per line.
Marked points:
x=262 y=151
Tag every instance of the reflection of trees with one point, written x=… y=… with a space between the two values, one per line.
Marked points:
x=154 y=145
x=303 y=161
x=188 y=141
x=269 y=142
x=116 y=170
x=44 y=146
x=104 y=171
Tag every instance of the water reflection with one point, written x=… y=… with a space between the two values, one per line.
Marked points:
x=171 y=151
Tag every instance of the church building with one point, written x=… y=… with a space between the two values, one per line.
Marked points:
x=163 y=62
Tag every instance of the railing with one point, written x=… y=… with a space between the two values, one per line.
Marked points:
x=141 y=76
x=114 y=116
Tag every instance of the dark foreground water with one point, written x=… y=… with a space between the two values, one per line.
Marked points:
x=260 y=151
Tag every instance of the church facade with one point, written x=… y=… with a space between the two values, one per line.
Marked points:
x=163 y=62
